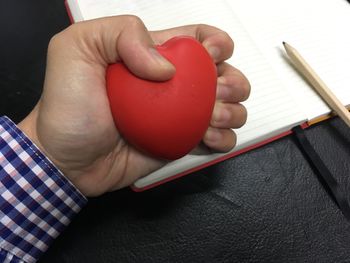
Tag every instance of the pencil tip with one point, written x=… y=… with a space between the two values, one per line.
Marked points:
x=284 y=43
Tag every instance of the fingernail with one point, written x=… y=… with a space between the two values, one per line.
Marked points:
x=221 y=80
x=213 y=135
x=214 y=52
x=159 y=58
x=220 y=115
x=222 y=92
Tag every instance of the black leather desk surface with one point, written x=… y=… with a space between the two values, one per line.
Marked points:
x=264 y=206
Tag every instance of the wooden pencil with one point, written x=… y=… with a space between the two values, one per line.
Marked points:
x=324 y=92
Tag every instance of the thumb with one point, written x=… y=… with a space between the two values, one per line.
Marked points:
x=125 y=38
x=137 y=50
x=115 y=39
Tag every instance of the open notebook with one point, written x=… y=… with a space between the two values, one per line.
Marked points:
x=280 y=98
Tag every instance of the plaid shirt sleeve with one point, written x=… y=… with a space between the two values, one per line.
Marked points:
x=36 y=201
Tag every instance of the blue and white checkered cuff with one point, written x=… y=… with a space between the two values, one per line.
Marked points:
x=36 y=201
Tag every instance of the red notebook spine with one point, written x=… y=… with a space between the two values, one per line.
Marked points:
x=223 y=158
x=69 y=12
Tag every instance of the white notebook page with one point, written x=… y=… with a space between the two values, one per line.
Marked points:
x=270 y=108
x=319 y=30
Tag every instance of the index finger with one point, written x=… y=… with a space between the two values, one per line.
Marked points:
x=217 y=42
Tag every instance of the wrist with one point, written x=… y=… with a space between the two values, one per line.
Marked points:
x=29 y=126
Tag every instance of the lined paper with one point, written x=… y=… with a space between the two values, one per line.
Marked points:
x=319 y=30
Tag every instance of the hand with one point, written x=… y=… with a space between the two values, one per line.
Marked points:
x=72 y=122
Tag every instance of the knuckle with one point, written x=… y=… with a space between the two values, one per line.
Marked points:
x=229 y=44
x=61 y=39
x=229 y=40
x=234 y=140
x=133 y=21
x=242 y=118
x=242 y=85
x=54 y=42
x=245 y=86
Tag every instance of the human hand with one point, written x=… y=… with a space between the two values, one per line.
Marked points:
x=72 y=123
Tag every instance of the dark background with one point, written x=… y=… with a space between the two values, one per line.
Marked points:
x=267 y=205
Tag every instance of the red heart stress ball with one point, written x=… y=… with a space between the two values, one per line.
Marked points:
x=165 y=119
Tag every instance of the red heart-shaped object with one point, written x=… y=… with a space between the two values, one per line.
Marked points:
x=165 y=119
